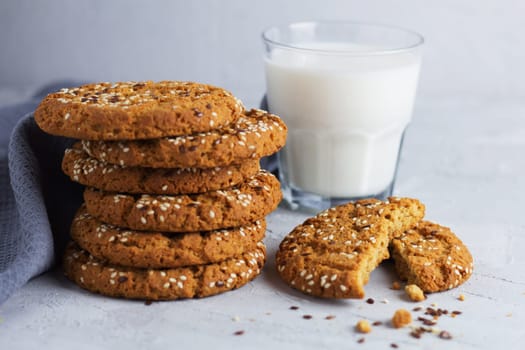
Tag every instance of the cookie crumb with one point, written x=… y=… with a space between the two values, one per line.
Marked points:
x=416 y=333
x=401 y=318
x=445 y=335
x=396 y=285
x=414 y=292
x=461 y=297
x=426 y=321
x=363 y=326
x=236 y=318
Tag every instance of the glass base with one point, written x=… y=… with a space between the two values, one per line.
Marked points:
x=295 y=199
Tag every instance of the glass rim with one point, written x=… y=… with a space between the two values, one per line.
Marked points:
x=418 y=38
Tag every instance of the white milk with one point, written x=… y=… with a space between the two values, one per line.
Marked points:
x=346 y=116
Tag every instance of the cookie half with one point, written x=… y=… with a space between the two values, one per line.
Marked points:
x=161 y=250
x=255 y=135
x=196 y=281
x=136 y=110
x=332 y=254
x=82 y=168
x=432 y=257
x=236 y=206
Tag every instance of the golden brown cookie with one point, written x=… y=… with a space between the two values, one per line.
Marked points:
x=332 y=254
x=237 y=206
x=116 y=178
x=253 y=136
x=194 y=281
x=161 y=250
x=136 y=110
x=432 y=257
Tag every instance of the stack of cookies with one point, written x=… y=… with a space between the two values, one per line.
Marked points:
x=175 y=200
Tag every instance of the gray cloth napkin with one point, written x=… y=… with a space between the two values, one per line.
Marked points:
x=37 y=201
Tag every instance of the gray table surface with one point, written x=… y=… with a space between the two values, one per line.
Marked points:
x=463 y=157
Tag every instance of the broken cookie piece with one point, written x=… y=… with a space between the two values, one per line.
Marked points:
x=431 y=257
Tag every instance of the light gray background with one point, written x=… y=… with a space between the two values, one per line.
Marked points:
x=463 y=157
x=473 y=47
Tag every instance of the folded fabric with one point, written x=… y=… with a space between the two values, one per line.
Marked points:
x=37 y=201
x=37 y=206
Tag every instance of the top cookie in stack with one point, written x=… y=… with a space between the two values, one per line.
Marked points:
x=176 y=201
x=137 y=110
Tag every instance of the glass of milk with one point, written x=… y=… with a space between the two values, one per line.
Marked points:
x=346 y=92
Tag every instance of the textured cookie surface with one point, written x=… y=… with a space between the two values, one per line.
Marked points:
x=332 y=254
x=161 y=284
x=255 y=135
x=160 y=250
x=432 y=257
x=116 y=178
x=136 y=110
x=237 y=206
